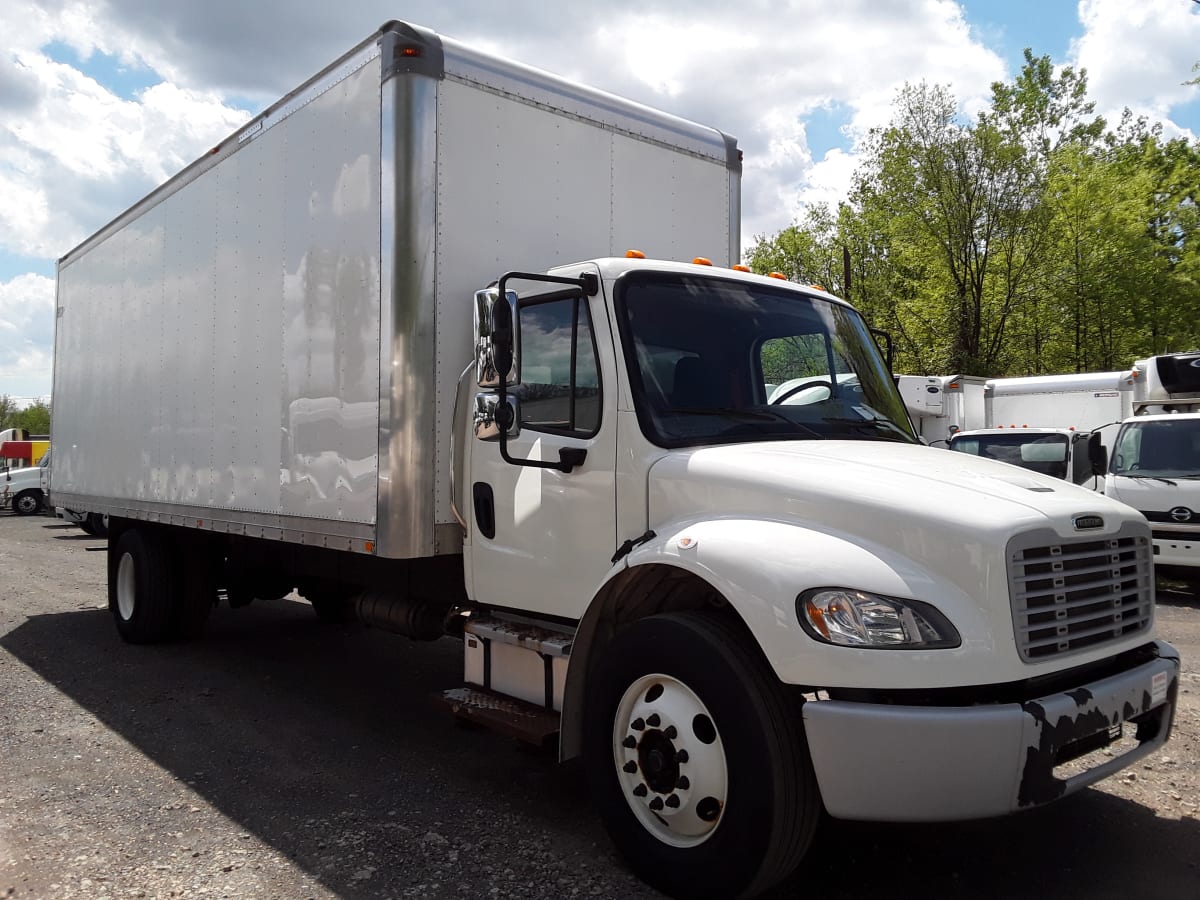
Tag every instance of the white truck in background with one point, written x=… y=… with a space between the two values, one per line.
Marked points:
x=740 y=613
x=1053 y=424
x=941 y=405
x=1155 y=460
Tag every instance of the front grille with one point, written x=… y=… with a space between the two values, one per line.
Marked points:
x=1076 y=594
x=1187 y=537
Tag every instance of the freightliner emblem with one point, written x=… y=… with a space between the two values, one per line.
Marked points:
x=1082 y=523
x=1181 y=514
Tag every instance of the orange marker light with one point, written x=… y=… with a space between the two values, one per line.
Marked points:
x=778 y=275
x=634 y=254
x=370 y=545
x=410 y=51
x=702 y=261
x=817 y=287
x=740 y=268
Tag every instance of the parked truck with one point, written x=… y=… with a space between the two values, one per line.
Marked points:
x=1053 y=424
x=382 y=346
x=1155 y=460
x=942 y=405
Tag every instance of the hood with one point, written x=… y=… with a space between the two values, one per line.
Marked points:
x=920 y=501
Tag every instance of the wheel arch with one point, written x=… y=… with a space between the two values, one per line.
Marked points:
x=630 y=595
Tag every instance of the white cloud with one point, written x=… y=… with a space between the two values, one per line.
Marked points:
x=73 y=153
x=26 y=335
x=1138 y=55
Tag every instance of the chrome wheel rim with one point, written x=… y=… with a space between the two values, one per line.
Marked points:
x=126 y=590
x=670 y=761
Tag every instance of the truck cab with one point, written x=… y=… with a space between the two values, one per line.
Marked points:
x=1155 y=468
x=24 y=490
x=1057 y=452
x=629 y=463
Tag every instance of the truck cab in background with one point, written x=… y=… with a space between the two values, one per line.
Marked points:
x=1154 y=465
x=1057 y=452
x=1053 y=424
x=24 y=490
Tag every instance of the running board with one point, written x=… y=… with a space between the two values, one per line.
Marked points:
x=524 y=721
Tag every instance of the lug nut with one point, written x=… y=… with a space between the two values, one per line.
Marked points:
x=630 y=743
x=653 y=721
x=656 y=804
x=630 y=767
x=638 y=724
x=670 y=733
x=640 y=791
x=673 y=801
x=681 y=756
x=683 y=784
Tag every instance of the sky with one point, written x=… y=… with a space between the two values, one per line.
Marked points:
x=102 y=100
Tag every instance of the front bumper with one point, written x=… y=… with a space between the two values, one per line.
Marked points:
x=1176 y=548
x=919 y=764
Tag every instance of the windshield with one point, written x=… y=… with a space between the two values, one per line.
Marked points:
x=1045 y=453
x=717 y=361
x=1158 y=449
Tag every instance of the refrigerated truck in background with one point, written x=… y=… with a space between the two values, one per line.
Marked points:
x=384 y=346
x=941 y=405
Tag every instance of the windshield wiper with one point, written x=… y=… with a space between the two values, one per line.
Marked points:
x=885 y=424
x=1146 y=477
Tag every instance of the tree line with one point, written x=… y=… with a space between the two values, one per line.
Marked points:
x=1034 y=239
x=34 y=418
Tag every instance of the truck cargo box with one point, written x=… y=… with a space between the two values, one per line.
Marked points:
x=269 y=343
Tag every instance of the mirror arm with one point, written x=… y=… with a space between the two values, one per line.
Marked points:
x=568 y=457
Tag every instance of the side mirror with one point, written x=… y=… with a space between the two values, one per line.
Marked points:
x=497 y=337
x=1097 y=454
x=490 y=419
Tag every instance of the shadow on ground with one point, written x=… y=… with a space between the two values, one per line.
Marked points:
x=289 y=728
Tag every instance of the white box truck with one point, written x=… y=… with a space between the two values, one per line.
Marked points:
x=1053 y=424
x=1155 y=460
x=942 y=405
x=738 y=613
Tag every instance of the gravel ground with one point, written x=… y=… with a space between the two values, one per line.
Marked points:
x=279 y=757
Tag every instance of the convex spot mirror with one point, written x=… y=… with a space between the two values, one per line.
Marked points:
x=497 y=337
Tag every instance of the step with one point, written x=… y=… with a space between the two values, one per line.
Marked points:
x=506 y=715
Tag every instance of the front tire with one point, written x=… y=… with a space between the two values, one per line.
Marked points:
x=696 y=758
x=28 y=503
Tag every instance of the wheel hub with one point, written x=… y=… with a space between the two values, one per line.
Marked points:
x=670 y=760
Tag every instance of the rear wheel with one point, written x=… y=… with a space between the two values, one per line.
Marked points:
x=28 y=503
x=696 y=758
x=140 y=589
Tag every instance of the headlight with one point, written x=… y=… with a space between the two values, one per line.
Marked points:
x=851 y=618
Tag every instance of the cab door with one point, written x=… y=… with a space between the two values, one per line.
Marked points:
x=541 y=539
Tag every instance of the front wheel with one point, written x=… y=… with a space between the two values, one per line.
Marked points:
x=27 y=503
x=697 y=760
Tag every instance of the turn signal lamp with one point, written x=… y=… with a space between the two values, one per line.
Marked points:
x=778 y=275
x=702 y=261
x=740 y=268
x=410 y=51
x=634 y=254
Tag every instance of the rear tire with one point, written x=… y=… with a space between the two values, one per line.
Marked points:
x=140 y=588
x=27 y=503
x=696 y=758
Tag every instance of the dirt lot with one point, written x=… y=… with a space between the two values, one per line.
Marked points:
x=282 y=758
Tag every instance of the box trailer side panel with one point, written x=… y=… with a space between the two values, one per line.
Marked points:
x=532 y=171
x=218 y=349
